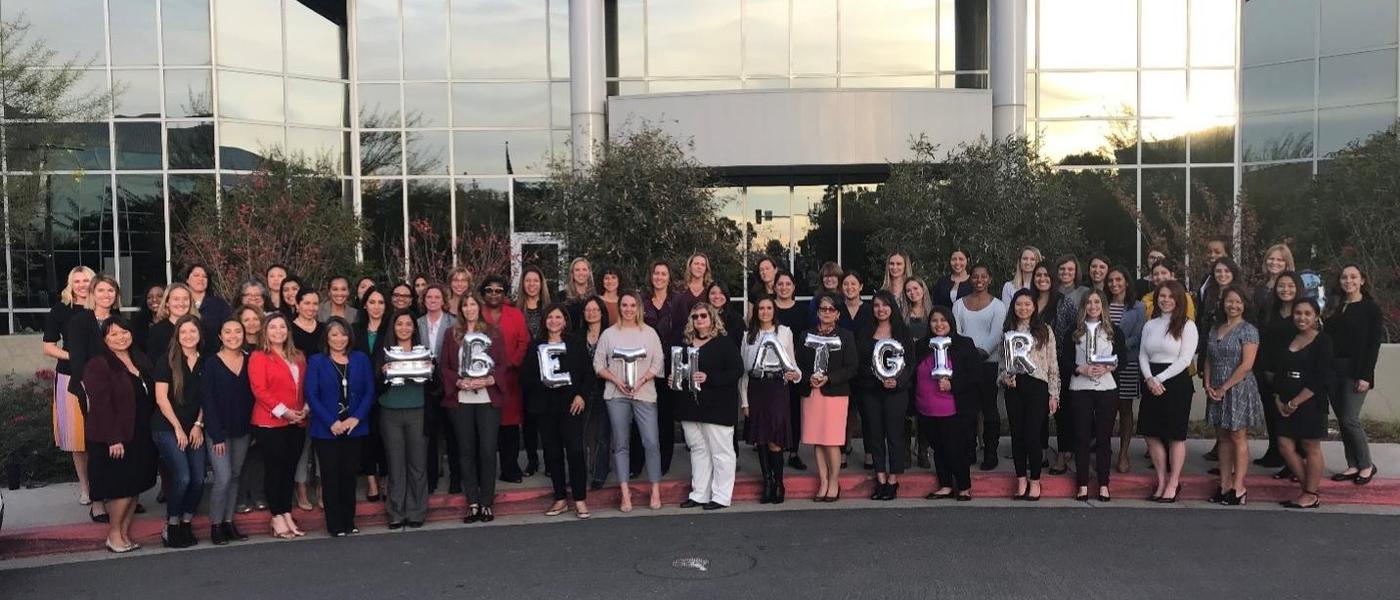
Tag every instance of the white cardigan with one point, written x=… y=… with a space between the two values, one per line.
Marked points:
x=750 y=352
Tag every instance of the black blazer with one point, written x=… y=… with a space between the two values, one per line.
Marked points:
x=541 y=399
x=865 y=375
x=967 y=370
x=840 y=370
x=717 y=402
x=82 y=339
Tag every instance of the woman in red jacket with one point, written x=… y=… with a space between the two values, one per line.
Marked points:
x=476 y=407
x=514 y=335
x=119 y=390
x=275 y=372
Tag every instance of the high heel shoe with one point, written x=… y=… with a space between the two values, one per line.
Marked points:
x=891 y=491
x=486 y=515
x=1235 y=499
x=1172 y=500
x=1317 y=501
x=1029 y=497
x=473 y=514
x=1082 y=496
x=1220 y=496
x=1103 y=495
x=96 y=518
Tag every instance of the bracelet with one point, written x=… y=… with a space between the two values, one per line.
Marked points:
x=199 y=424
x=1291 y=406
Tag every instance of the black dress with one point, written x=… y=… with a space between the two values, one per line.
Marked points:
x=135 y=472
x=1305 y=369
x=308 y=342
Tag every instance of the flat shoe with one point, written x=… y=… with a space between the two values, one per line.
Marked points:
x=1365 y=479
x=109 y=547
x=554 y=512
x=1346 y=476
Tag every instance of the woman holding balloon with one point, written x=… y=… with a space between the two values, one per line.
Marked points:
x=558 y=378
x=764 y=393
x=1096 y=346
x=884 y=383
x=1030 y=372
x=472 y=361
x=947 y=399
x=827 y=355
x=629 y=358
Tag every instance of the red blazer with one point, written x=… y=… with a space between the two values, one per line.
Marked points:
x=516 y=336
x=272 y=383
x=111 y=401
x=448 y=364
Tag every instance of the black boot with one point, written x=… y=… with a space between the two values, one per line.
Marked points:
x=232 y=534
x=187 y=532
x=775 y=460
x=170 y=536
x=766 y=496
x=217 y=536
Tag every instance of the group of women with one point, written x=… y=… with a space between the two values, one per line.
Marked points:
x=295 y=384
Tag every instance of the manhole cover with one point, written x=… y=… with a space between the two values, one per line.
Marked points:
x=697 y=565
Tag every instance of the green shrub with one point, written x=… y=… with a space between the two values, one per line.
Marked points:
x=26 y=428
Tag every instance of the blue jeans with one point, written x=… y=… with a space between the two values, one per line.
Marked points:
x=622 y=412
x=186 y=469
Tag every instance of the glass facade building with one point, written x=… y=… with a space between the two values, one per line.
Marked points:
x=451 y=110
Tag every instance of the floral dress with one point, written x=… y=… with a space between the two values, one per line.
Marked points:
x=1241 y=407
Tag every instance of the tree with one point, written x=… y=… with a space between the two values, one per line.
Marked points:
x=286 y=212
x=643 y=199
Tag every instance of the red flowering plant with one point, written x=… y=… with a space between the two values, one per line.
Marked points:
x=431 y=253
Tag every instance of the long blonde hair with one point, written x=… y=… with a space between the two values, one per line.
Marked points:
x=716 y=323
x=1287 y=258
x=163 y=311
x=67 y=294
x=705 y=279
x=908 y=273
x=91 y=302
x=640 y=321
x=1016 y=280
x=572 y=293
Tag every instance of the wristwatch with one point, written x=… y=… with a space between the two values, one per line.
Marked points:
x=199 y=424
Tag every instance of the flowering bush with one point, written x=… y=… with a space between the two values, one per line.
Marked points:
x=26 y=427
x=430 y=253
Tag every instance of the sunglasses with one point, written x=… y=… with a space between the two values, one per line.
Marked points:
x=495 y=290
x=827 y=309
x=698 y=316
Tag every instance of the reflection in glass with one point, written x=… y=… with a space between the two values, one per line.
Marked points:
x=1163 y=93
x=500 y=104
x=242 y=145
x=379 y=105
x=890 y=81
x=1163 y=141
x=248 y=96
x=1269 y=188
x=1164 y=209
x=430 y=206
x=141 y=223
x=1087 y=94
x=1278 y=137
x=188 y=93
x=1088 y=142
x=1357 y=78
x=768 y=222
x=690 y=39
x=485 y=152
x=1212 y=33
x=559 y=39
x=559 y=104
x=1336 y=127
x=483 y=206
x=382 y=208
x=666 y=86
x=377 y=39
x=814 y=37
x=381 y=153
x=311 y=102
x=136 y=93
x=427 y=153
x=47 y=239
x=766 y=37
x=1078 y=34
x=185 y=31
x=190 y=144
x=1164 y=33
x=133 y=31
x=1279 y=30
x=425 y=39
x=250 y=35
x=1212 y=93
x=72 y=29
x=317 y=40
x=57 y=146
x=184 y=192
x=1214 y=144
x=888 y=36
x=1358 y=24
x=320 y=147
x=816 y=241
x=499 y=39
x=532 y=202
x=1278 y=87
x=1212 y=191
x=425 y=104
x=626 y=39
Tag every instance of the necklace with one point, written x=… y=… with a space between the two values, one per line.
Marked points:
x=344 y=372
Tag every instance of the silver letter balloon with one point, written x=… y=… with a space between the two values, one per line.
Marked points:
x=1095 y=346
x=685 y=362
x=823 y=346
x=888 y=359
x=402 y=366
x=771 y=360
x=474 y=357
x=551 y=375
x=629 y=358
x=1016 y=353
x=942 y=367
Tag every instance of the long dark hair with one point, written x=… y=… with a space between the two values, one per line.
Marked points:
x=1052 y=304
x=1039 y=330
x=544 y=316
x=1335 y=307
x=393 y=339
x=175 y=357
x=1128 y=279
x=1178 y=292
x=898 y=328
x=602 y=310
x=753 y=314
x=1276 y=303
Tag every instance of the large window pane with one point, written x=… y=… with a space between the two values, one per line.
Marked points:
x=1357 y=78
x=499 y=39
x=626 y=49
x=1214 y=143
x=1088 y=34
x=1338 y=126
x=136 y=93
x=485 y=152
x=250 y=34
x=1163 y=141
x=813 y=226
x=141 y=221
x=1087 y=94
x=425 y=104
x=377 y=35
x=1212 y=33
x=312 y=102
x=1089 y=142
x=532 y=202
x=483 y=207
x=768 y=222
x=664 y=86
x=690 y=39
x=185 y=31
x=324 y=147
x=188 y=93
x=133 y=30
x=559 y=107
x=1212 y=193
x=248 y=96
x=425 y=39
x=882 y=36
x=242 y=145
x=559 y=39
x=1164 y=210
x=500 y=104
x=138 y=146
x=379 y=105
x=766 y=37
x=58 y=222
x=1278 y=87
x=890 y=81
x=427 y=153
x=58 y=146
x=1163 y=93
x=382 y=206
x=190 y=144
x=1279 y=30
x=814 y=36
x=1212 y=92
x=1164 y=33
x=1278 y=137
x=316 y=40
x=73 y=30
x=1357 y=24
x=381 y=153
x=430 y=205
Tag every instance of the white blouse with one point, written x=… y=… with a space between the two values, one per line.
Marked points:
x=1160 y=347
x=750 y=352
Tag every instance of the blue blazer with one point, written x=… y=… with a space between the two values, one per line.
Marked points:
x=323 y=393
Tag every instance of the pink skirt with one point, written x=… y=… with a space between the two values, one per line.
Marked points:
x=68 y=432
x=823 y=419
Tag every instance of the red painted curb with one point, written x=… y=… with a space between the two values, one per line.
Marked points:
x=83 y=537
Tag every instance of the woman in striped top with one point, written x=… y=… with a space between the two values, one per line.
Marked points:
x=1127 y=315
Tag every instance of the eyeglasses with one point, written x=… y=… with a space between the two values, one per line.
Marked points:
x=698 y=316
x=827 y=309
x=495 y=290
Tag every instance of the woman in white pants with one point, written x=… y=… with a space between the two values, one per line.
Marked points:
x=708 y=416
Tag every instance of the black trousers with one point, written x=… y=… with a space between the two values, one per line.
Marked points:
x=281 y=449
x=1027 y=405
x=508 y=447
x=795 y=418
x=987 y=391
x=562 y=437
x=477 y=426
x=531 y=431
x=883 y=414
x=1272 y=417
x=665 y=433
x=1094 y=413
x=372 y=460
x=339 y=458
x=441 y=435
x=1065 y=431
x=947 y=437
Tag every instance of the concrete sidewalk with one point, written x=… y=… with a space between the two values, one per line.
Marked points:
x=49 y=519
